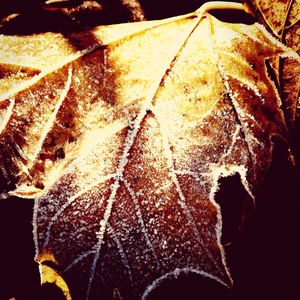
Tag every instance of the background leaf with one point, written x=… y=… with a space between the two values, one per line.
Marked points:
x=282 y=18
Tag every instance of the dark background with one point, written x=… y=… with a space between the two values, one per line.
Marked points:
x=263 y=258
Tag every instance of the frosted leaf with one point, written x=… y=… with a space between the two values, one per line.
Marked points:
x=125 y=139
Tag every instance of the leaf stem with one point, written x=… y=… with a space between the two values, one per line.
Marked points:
x=216 y=5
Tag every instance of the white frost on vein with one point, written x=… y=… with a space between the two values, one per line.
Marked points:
x=122 y=253
x=250 y=86
x=174 y=274
x=79 y=259
x=234 y=139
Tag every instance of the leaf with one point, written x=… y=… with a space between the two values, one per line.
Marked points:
x=125 y=134
x=65 y=15
x=49 y=275
x=282 y=18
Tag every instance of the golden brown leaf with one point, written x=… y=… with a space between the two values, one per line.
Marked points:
x=125 y=134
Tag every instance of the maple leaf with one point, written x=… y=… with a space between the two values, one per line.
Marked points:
x=124 y=134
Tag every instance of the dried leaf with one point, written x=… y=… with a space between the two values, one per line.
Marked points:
x=136 y=9
x=282 y=18
x=65 y=15
x=49 y=275
x=125 y=134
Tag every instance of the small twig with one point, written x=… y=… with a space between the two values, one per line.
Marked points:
x=8 y=19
